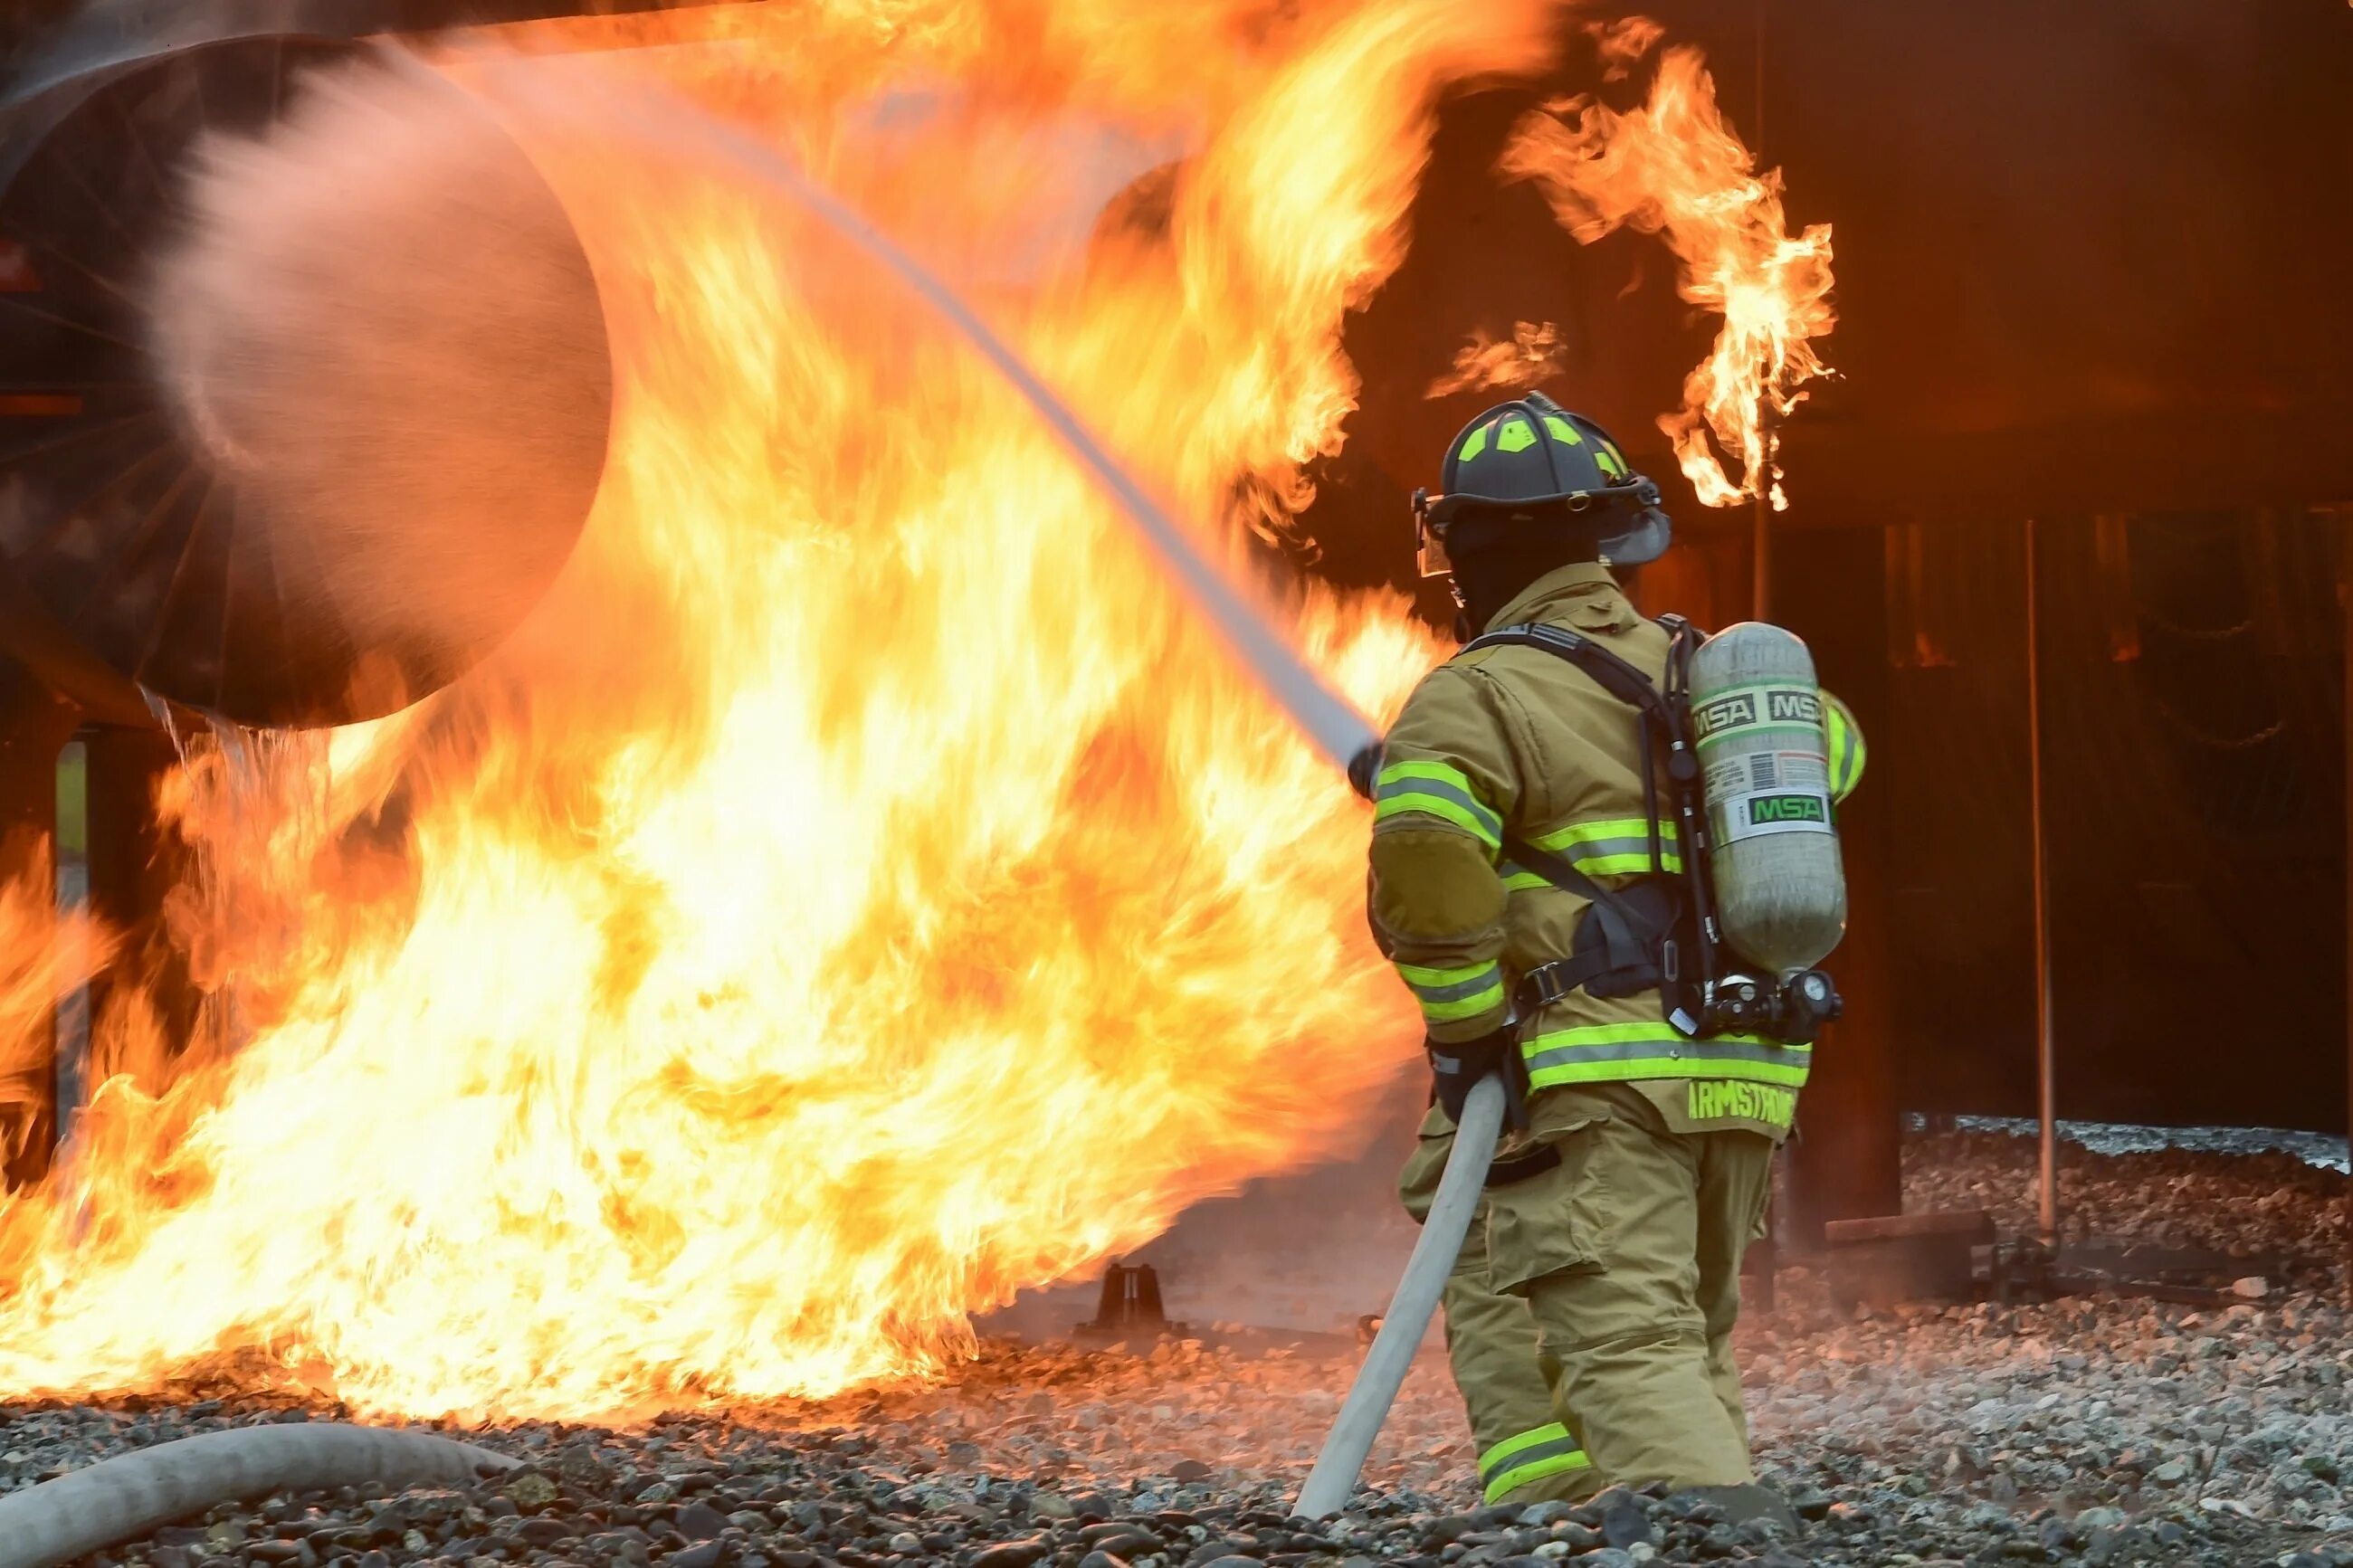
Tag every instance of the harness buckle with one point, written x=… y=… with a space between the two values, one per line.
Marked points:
x=1546 y=985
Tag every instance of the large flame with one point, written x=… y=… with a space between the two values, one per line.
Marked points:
x=861 y=890
x=1674 y=167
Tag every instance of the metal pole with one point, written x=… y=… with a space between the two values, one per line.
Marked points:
x=1760 y=547
x=2344 y=579
x=2045 y=1053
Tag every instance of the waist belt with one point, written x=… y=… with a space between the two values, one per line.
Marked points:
x=1621 y=948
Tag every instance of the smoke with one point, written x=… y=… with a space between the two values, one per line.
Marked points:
x=380 y=328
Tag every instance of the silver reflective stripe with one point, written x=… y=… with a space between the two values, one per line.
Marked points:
x=1439 y=789
x=1554 y=1449
x=1541 y=1056
x=1486 y=979
x=1583 y=854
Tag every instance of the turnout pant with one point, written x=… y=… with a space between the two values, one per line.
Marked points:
x=1628 y=1254
x=1526 y=1452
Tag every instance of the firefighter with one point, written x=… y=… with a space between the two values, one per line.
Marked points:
x=1638 y=1168
x=1509 y=1386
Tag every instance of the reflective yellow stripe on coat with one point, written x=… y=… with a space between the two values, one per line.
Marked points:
x=1618 y=1052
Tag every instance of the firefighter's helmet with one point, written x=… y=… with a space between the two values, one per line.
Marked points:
x=1532 y=464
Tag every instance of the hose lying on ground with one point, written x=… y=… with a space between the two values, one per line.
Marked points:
x=127 y=1496
x=1378 y=1381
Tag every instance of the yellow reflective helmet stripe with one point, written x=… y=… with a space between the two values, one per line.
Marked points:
x=1563 y=430
x=1515 y=435
x=1473 y=446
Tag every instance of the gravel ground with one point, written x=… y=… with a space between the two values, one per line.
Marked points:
x=2093 y=1430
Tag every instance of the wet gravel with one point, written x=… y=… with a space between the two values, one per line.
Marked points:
x=2092 y=1430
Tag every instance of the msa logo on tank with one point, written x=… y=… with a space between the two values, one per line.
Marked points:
x=1764 y=809
x=1778 y=791
x=1758 y=705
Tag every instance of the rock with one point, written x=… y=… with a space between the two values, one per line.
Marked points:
x=1446 y=1531
x=1576 y=1537
x=906 y=1544
x=1811 y=1503
x=1013 y=1553
x=2253 y=1288
x=710 y=1555
x=1119 y=1539
x=1607 y=1557
x=699 y=1521
x=1624 y=1524
x=1051 y=1505
x=1191 y=1471
x=531 y=1492
x=2093 y=1519
x=1102 y=1560
x=274 y=1550
x=2171 y=1473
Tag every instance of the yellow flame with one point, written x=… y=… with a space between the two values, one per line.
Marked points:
x=861 y=890
x=1674 y=167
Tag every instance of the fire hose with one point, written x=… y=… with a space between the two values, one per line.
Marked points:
x=1383 y=1373
x=125 y=1498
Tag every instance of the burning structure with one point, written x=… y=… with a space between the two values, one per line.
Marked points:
x=896 y=829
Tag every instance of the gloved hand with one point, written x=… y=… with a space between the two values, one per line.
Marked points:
x=1455 y=1067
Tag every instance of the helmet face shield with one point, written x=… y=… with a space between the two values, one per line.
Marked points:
x=1429 y=539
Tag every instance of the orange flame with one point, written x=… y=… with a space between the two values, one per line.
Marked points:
x=1532 y=354
x=1674 y=168
x=861 y=890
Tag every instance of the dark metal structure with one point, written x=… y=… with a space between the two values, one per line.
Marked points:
x=137 y=595
x=2088 y=275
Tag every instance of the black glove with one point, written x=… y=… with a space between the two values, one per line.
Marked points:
x=1455 y=1067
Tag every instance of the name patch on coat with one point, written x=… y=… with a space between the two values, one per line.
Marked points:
x=1752 y=1101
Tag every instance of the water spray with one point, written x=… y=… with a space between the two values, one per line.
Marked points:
x=664 y=117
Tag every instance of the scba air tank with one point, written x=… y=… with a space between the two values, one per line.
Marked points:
x=1757 y=716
